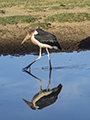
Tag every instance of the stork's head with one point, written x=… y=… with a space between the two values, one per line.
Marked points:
x=31 y=32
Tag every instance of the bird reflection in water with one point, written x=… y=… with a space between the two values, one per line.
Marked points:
x=45 y=97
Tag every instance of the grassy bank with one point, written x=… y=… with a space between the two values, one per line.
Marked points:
x=63 y=17
x=69 y=17
x=33 y=8
x=67 y=3
x=17 y=19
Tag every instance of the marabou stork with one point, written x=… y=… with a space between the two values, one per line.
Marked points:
x=44 y=40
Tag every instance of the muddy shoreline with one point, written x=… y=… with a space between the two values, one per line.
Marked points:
x=71 y=37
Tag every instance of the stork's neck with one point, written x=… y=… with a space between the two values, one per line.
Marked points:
x=33 y=40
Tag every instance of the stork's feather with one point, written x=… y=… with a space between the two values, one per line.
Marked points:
x=47 y=38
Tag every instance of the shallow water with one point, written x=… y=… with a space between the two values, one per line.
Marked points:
x=71 y=70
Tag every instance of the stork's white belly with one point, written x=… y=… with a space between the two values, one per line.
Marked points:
x=40 y=44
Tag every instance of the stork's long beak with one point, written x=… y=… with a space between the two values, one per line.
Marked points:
x=26 y=38
x=29 y=104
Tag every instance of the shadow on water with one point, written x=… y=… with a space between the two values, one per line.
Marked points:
x=44 y=97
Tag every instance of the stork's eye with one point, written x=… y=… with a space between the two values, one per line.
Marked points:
x=31 y=31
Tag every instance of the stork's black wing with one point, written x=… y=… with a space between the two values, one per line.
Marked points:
x=49 y=99
x=47 y=38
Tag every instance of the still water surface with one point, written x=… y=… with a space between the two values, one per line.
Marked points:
x=71 y=70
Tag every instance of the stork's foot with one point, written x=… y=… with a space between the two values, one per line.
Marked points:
x=26 y=68
x=50 y=68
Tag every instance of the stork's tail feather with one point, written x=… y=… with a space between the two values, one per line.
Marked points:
x=56 y=46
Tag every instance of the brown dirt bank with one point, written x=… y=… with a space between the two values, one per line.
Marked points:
x=71 y=37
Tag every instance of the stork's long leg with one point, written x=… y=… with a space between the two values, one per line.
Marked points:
x=35 y=77
x=34 y=60
x=37 y=58
x=49 y=58
x=49 y=79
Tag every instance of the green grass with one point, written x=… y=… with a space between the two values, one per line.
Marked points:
x=40 y=3
x=17 y=19
x=35 y=9
x=63 y=17
x=69 y=17
x=44 y=5
x=40 y=25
